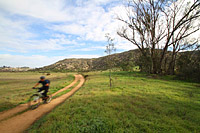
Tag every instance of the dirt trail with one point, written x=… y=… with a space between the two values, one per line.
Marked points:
x=21 y=122
x=22 y=107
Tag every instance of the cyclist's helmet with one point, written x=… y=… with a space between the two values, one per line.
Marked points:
x=42 y=77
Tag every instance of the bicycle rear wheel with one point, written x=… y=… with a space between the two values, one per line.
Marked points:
x=34 y=101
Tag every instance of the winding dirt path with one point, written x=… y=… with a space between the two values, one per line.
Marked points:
x=21 y=122
x=23 y=107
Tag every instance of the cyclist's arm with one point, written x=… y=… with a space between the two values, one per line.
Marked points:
x=47 y=84
x=36 y=84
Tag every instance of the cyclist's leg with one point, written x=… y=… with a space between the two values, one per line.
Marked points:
x=46 y=88
x=43 y=94
x=40 y=89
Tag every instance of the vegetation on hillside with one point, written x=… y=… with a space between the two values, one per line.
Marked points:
x=126 y=61
x=188 y=66
x=94 y=64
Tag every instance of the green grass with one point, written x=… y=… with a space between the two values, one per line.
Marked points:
x=15 y=88
x=136 y=103
x=66 y=91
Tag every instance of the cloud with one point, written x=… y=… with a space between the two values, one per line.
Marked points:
x=83 y=56
x=10 y=28
x=48 y=10
x=30 y=61
x=125 y=46
x=49 y=25
x=75 y=29
x=96 y=2
x=24 y=45
x=35 y=60
x=92 y=48
x=92 y=21
x=87 y=19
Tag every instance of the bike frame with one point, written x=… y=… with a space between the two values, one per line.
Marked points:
x=39 y=93
x=37 y=99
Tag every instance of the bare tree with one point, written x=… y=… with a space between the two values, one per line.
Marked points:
x=179 y=30
x=155 y=26
x=110 y=48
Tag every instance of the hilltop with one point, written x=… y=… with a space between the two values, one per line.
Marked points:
x=93 y=64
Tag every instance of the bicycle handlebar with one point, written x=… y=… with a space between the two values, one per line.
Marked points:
x=36 y=88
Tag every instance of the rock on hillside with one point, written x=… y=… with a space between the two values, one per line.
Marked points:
x=70 y=64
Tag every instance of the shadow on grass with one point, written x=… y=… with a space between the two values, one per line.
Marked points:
x=127 y=74
x=148 y=76
x=5 y=105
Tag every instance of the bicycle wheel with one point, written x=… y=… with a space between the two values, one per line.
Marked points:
x=48 y=100
x=34 y=101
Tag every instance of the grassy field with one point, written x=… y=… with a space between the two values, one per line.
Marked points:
x=136 y=103
x=15 y=88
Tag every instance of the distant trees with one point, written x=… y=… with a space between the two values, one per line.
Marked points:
x=188 y=65
x=127 y=65
x=156 y=27
x=5 y=67
x=110 y=48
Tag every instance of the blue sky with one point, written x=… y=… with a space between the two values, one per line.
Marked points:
x=36 y=33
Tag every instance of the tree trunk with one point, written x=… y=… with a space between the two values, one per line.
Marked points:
x=110 y=79
x=156 y=67
x=171 y=69
x=154 y=64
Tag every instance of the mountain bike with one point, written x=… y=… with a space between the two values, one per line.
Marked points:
x=35 y=100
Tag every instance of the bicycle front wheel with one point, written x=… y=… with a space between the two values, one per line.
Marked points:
x=34 y=101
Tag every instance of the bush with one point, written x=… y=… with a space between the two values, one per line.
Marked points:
x=188 y=66
x=144 y=64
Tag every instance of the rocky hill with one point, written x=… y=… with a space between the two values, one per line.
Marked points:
x=94 y=63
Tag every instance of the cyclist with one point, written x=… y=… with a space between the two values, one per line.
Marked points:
x=45 y=86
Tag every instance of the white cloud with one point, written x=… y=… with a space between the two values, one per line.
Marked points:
x=75 y=29
x=83 y=56
x=13 y=29
x=30 y=61
x=48 y=10
x=35 y=60
x=92 y=22
x=125 y=45
x=24 y=45
x=93 y=48
x=87 y=19
x=98 y=2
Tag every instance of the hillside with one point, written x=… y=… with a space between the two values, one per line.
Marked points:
x=94 y=63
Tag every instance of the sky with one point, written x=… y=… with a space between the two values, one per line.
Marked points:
x=37 y=33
